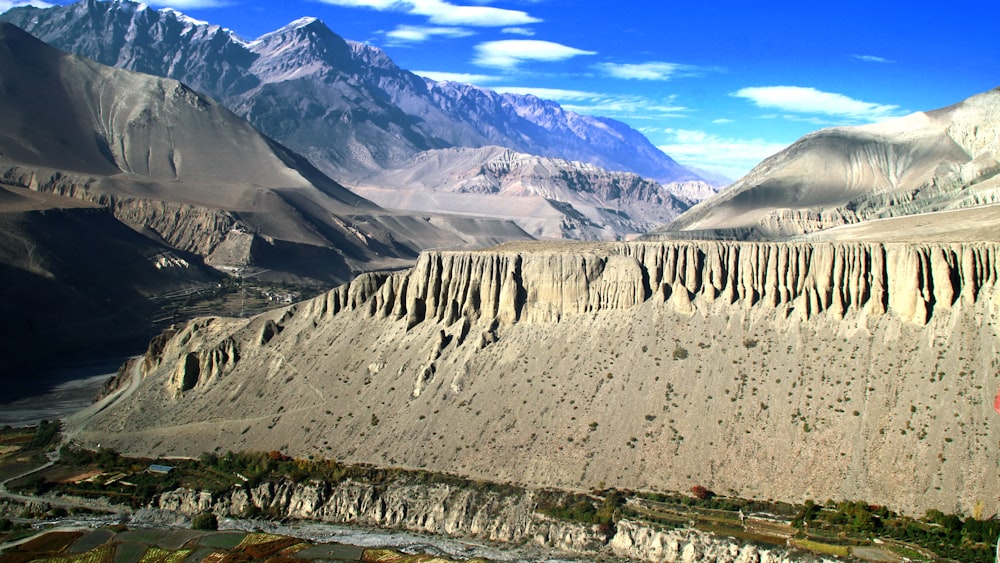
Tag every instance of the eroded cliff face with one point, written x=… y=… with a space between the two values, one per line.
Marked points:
x=437 y=509
x=781 y=371
x=907 y=280
x=636 y=541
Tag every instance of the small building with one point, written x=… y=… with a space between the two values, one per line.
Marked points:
x=160 y=469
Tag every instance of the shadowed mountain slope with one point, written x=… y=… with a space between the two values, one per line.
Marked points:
x=120 y=187
x=77 y=282
x=940 y=160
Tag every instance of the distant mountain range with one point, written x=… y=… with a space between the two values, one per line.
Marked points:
x=344 y=105
x=547 y=197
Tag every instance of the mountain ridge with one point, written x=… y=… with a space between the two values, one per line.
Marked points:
x=938 y=160
x=234 y=71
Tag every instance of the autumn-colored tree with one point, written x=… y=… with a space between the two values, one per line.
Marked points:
x=701 y=492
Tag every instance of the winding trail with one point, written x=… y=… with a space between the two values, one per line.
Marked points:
x=71 y=428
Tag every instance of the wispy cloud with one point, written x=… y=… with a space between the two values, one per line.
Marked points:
x=464 y=77
x=510 y=53
x=419 y=34
x=525 y=31
x=871 y=59
x=605 y=105
x=191 y=4
x=556 y=94
x=440 y=12
x=728 y=156
x=643 y=71
x=8 y=4
x=810 y=101
x=722 y=121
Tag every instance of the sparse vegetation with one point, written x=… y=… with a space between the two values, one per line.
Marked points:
x=680 y=353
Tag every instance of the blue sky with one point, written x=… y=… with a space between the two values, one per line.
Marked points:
x=715 y=85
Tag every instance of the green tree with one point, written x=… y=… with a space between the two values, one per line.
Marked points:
x=45 y=434
x=205 y=521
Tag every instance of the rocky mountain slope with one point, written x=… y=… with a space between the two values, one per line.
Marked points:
x=174 y=164
x=344 y=105
x=547 y=197
x=929 y=161
x=787 y=371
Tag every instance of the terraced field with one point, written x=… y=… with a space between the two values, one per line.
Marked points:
x=119 y=545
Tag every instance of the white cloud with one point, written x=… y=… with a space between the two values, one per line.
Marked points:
x=871 y=59
x=556 y=94
x=509 y=53
x=525 y=31
x=444 y=13
x=604 y=105
x=374 y=4
x=799 y=100
x=418 y=34
x=191 y=4
x=464 y=77
x=8 y=4
x=728 y=156
x=643 y=71
x=722 y=121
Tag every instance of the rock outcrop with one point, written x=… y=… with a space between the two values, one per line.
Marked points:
x=780 y=371
x=636 y=541
x=431 y=508
x=191 y=228
x=457 y=511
